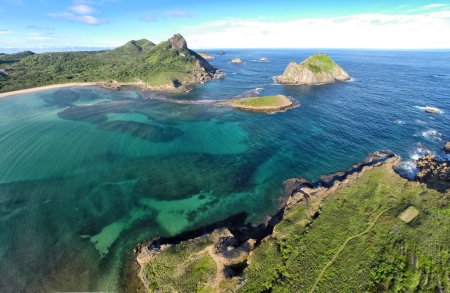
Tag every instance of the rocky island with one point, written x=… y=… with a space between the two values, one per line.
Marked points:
x=236 y=61
x=268 y=104
x=315 y=70
x=168 y=66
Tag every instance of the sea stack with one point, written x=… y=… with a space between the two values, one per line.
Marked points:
x=236 y=61
x=316 y=69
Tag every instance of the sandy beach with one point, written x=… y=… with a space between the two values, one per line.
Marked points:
x=47 y=87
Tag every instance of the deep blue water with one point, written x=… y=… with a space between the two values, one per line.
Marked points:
x=86 y=173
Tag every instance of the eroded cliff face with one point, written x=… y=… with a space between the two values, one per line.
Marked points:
x=315 y=70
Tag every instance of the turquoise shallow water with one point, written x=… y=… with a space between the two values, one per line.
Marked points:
x=86 y=173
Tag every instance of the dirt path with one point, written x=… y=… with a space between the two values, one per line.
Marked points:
x=342 y=248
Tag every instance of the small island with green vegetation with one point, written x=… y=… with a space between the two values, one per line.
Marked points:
x=315 y=70
x=268 y=104
x=168 y=66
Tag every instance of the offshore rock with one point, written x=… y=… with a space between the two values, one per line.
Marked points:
x=315 y=70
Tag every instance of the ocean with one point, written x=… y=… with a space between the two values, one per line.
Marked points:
x=88 y=173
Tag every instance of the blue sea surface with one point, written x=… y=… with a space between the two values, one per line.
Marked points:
x=87 y=173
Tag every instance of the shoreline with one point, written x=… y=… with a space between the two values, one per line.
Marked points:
x=47 y=87
x=242 y=234
x=110 y=85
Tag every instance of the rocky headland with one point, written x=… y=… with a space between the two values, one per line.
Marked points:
x=315 y=70
x=227 y=247
x=168 y=66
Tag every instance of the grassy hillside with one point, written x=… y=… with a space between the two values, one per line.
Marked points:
x=353 y=241
x=391 y=256
x=320 y=63
x=136 y=60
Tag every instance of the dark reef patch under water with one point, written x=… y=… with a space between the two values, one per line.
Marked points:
x=86 y=174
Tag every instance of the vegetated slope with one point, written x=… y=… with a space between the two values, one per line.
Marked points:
x=348 y=238
x=169 y=63
x=392 y=256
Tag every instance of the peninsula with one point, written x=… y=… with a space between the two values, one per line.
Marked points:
x=315 y=70
x=168 y=66
x=353 y=231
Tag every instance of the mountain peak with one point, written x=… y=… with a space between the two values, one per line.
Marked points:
x=178 y=42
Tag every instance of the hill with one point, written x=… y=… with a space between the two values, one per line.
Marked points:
x=169 y=66
x=316 y=69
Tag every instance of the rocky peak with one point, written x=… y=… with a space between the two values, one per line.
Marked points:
x=178 y=42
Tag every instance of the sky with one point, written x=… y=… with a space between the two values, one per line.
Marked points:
x=383 y=24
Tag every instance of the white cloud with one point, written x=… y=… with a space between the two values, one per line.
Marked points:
x=82 y=9
x=37 y=36
x=80 y=13
x=374 y=30
x=5 y=32
x=86 y=19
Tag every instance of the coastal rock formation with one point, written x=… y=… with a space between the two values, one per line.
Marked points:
x=206 y=56
x=432 y=110
x=227 y=248
x=236 y=61
x=431 y=169
x=178 y=42
x=315 y=70
x=447 y=147
x=169 y=66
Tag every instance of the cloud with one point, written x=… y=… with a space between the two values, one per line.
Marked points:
x=79 y=13
x=82 y=9
x=373 y=30
x=38 y=27
x=37 y=36
x=148 y=18
x=5 y=32
x=178 y=13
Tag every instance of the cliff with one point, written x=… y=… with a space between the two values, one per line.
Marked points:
x=168 y=66
x=317 y=69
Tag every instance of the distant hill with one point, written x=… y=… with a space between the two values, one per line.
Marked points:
x=170 y=66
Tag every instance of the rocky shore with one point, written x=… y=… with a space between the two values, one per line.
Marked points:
x=230 y=242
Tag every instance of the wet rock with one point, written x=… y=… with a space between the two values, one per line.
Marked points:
x=292 y=185
x=447 y=147
x=328 y=180
x=236 y=61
